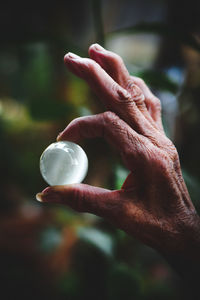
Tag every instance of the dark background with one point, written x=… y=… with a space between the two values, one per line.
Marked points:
x=49 y=251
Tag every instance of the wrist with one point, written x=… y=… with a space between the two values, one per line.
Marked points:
x=187 y=243
x=192 y=239
x=185 y=259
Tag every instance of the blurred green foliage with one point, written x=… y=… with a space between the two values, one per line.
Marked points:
x=158 y=80
x=180 y=34
x=49 y=251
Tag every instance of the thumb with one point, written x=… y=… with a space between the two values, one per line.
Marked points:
x=81 y=197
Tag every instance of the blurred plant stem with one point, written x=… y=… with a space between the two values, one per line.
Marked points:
x=98 y=22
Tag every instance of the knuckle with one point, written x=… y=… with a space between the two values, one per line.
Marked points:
x=135 y=92
x=89 y=66
x=114 y=58
x=78 y=202
x=162 y=163
x=76 y=121
x=114 y=87
x=137 y=95
x=93 y=46
x=123 y=96
x=157 y=103
x=130 y=84
x=109 y=117
x=113 y=126
x=140 y=81
x=172 y=152
x=79 y=123
x=117 y=59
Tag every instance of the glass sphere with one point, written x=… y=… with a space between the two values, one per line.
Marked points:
x=63 y=163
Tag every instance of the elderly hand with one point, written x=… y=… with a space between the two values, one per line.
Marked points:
x=153 y=204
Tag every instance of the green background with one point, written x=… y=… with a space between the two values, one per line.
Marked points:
x=49 y=251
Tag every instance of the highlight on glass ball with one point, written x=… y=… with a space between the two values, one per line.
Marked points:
x=63 y=163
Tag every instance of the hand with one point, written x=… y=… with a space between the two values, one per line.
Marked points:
x=153 y=204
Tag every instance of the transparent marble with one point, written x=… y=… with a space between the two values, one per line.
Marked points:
x=63 y=163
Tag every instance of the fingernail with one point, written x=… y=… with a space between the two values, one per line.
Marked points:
x=38 y=197
x=98 y=47
x=48 y=195
x=71 y=56
x=59 y=135
x=46 y=191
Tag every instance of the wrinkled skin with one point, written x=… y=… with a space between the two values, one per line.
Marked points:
x=153 y=204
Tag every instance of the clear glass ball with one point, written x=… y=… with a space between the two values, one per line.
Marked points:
x=63 y=163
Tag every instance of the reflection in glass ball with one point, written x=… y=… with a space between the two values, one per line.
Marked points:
x=63 y=163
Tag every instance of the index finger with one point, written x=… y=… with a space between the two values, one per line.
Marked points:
x=115 y=97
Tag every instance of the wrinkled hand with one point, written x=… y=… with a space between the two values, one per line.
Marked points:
x=153 y=204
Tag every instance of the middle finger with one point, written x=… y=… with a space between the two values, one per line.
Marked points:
x=115 y=97
x=113 y=64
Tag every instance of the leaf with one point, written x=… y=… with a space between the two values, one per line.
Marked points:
x=99 y=239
